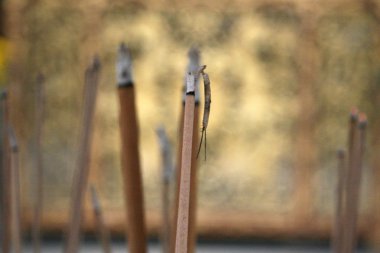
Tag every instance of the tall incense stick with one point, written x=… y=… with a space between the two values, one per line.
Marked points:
x=38 y=205
x=184 y=189
x=193 y=66
x=354 y=182
x=82 y=170
x=6 y=175
x=167 y=174
x=99 y=220
x=338 y=227
x=130 y=153
x=15 y=193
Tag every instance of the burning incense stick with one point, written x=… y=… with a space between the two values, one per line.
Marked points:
x=167 y=174
x=130 y=153
x=82 y=170
x=6 y=175
x=353 y=187
x=192 y=67
x=338 y=228
x=38 y=205
x=15 y=193
x=99 y=220
x=184 y=190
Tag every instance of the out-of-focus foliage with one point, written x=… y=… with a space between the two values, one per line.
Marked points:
x=251 y=58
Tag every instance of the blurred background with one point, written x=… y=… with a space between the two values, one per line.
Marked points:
x=285 y=75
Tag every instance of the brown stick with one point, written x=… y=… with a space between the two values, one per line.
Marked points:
x=192 y=67
x=184 y=190
x=130 y=155
x=353 y=187
x=338 y=227
x=82 y=171
x=102 y=230
x=38 y=205
x=167 y=174
x=194 y=185
x=6 y=175
x=15 y=193
x=177 y=180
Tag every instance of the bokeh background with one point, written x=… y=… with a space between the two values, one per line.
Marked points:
x=285 y=75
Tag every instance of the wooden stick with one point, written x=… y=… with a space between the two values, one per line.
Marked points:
x=194 y=184
x=6 y=175
x=130 y=154
x=102 y=230
x=38 y=205
x=192 y=67
x=15 y=193
x=353 y=187
x=82 y=170
x=184 y=190
x=338 y=227
x=167 y=175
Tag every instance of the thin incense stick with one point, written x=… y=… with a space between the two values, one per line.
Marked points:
x=82 y=170
x=184 y=190
x=130 y=153
x=6 y=175
x=15 y=193
x=338 y=227
x=167 y=175
x=38 y=205
x=354 y=182
x=347 y=179
x=99 y=221
x=193 y=66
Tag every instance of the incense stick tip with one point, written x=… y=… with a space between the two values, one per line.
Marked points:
x=354 y=114
x=96 y=63
x=363 y=122
x=4 y=95
x=340 y=153
x=124 y=66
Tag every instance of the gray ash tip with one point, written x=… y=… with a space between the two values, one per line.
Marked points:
x=340 y=153
x=124 y=66
x=4 y=94
x=96 y=63
x=40 y=78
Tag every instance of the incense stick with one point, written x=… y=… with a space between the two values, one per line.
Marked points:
x=38 y=205
x=184 y=190
x=15 y=192
x=167 y=175
x=82 y=170
x=132 y=180
x=6 y=175
x=338 y=227
x=353 y=188
x=192 y=67
x=99 y=221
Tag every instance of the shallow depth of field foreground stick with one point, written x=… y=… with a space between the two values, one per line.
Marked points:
x=167 y=175
x=193 y=67
x=338 y=226
x=82 y=170
x=130 y=154
x=99 y=221
x=6 y=175
x=353 y=187
x=38 y=204
x=184 y=187
x=15 y=193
